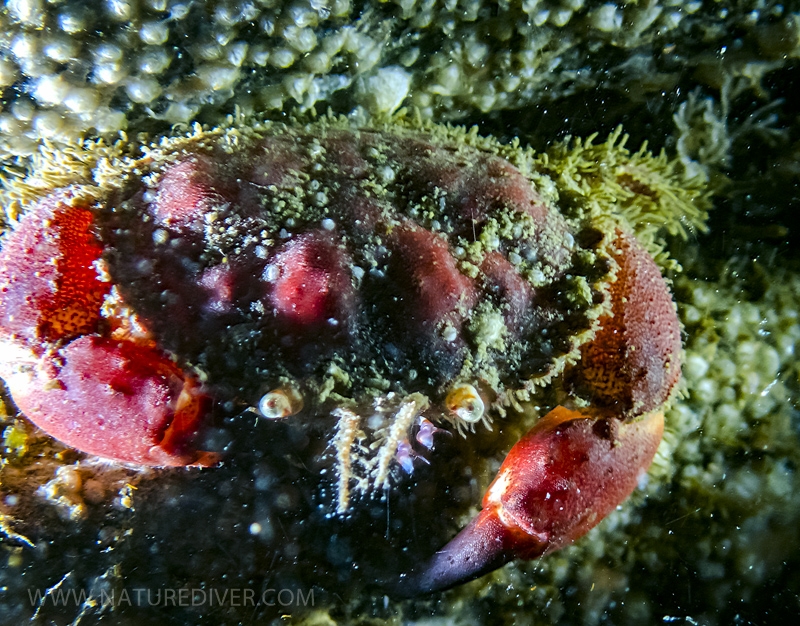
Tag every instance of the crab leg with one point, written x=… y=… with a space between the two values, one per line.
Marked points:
x=574 y=467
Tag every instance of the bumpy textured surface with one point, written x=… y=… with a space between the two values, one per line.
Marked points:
x=382 y=277
x=124 y=400
x=50 y=286
x=71 y=68
x=406 y=261
x=119 y=400
x=633 y=363
x=709 y=540
x=350 y=268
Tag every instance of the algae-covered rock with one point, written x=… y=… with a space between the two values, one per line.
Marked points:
x=71 y=68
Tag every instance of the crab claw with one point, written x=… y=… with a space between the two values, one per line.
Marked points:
x=121 y=399
x=560 y=480
x=114 y=399
x=573 y=468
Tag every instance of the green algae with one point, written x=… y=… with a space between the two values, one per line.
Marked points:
x=655 y=194
x=15 y=440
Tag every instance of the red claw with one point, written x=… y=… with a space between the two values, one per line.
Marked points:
x=115 y=399
x=574 y=468
x=125 y=399
x=556 y=484
x=49 y=284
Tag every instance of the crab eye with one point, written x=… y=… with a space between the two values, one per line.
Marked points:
x=280 y=403
x=466 y=403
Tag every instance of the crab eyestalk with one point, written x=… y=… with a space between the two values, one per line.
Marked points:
x=466 y=408
x=280 y=403
x=465 y=402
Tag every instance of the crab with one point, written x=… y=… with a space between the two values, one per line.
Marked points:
x=405 y=280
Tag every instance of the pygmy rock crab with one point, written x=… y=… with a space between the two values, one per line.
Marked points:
x=425 y=274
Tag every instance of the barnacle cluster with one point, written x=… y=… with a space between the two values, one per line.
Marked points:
x=68 y=68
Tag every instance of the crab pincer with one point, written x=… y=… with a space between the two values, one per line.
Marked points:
x=576 y=466
x=77 y=374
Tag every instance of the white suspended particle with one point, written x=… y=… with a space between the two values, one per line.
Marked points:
x=449 y=334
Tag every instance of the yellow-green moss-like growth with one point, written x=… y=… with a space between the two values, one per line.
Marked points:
x=653 y=193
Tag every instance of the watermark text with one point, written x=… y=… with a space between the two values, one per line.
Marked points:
x=163 y=597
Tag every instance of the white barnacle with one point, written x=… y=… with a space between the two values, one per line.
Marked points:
x=465 y=406
x=142 y=89
x=280 y=403
x=449 y=334
x=154 y=33
x=386 y=174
